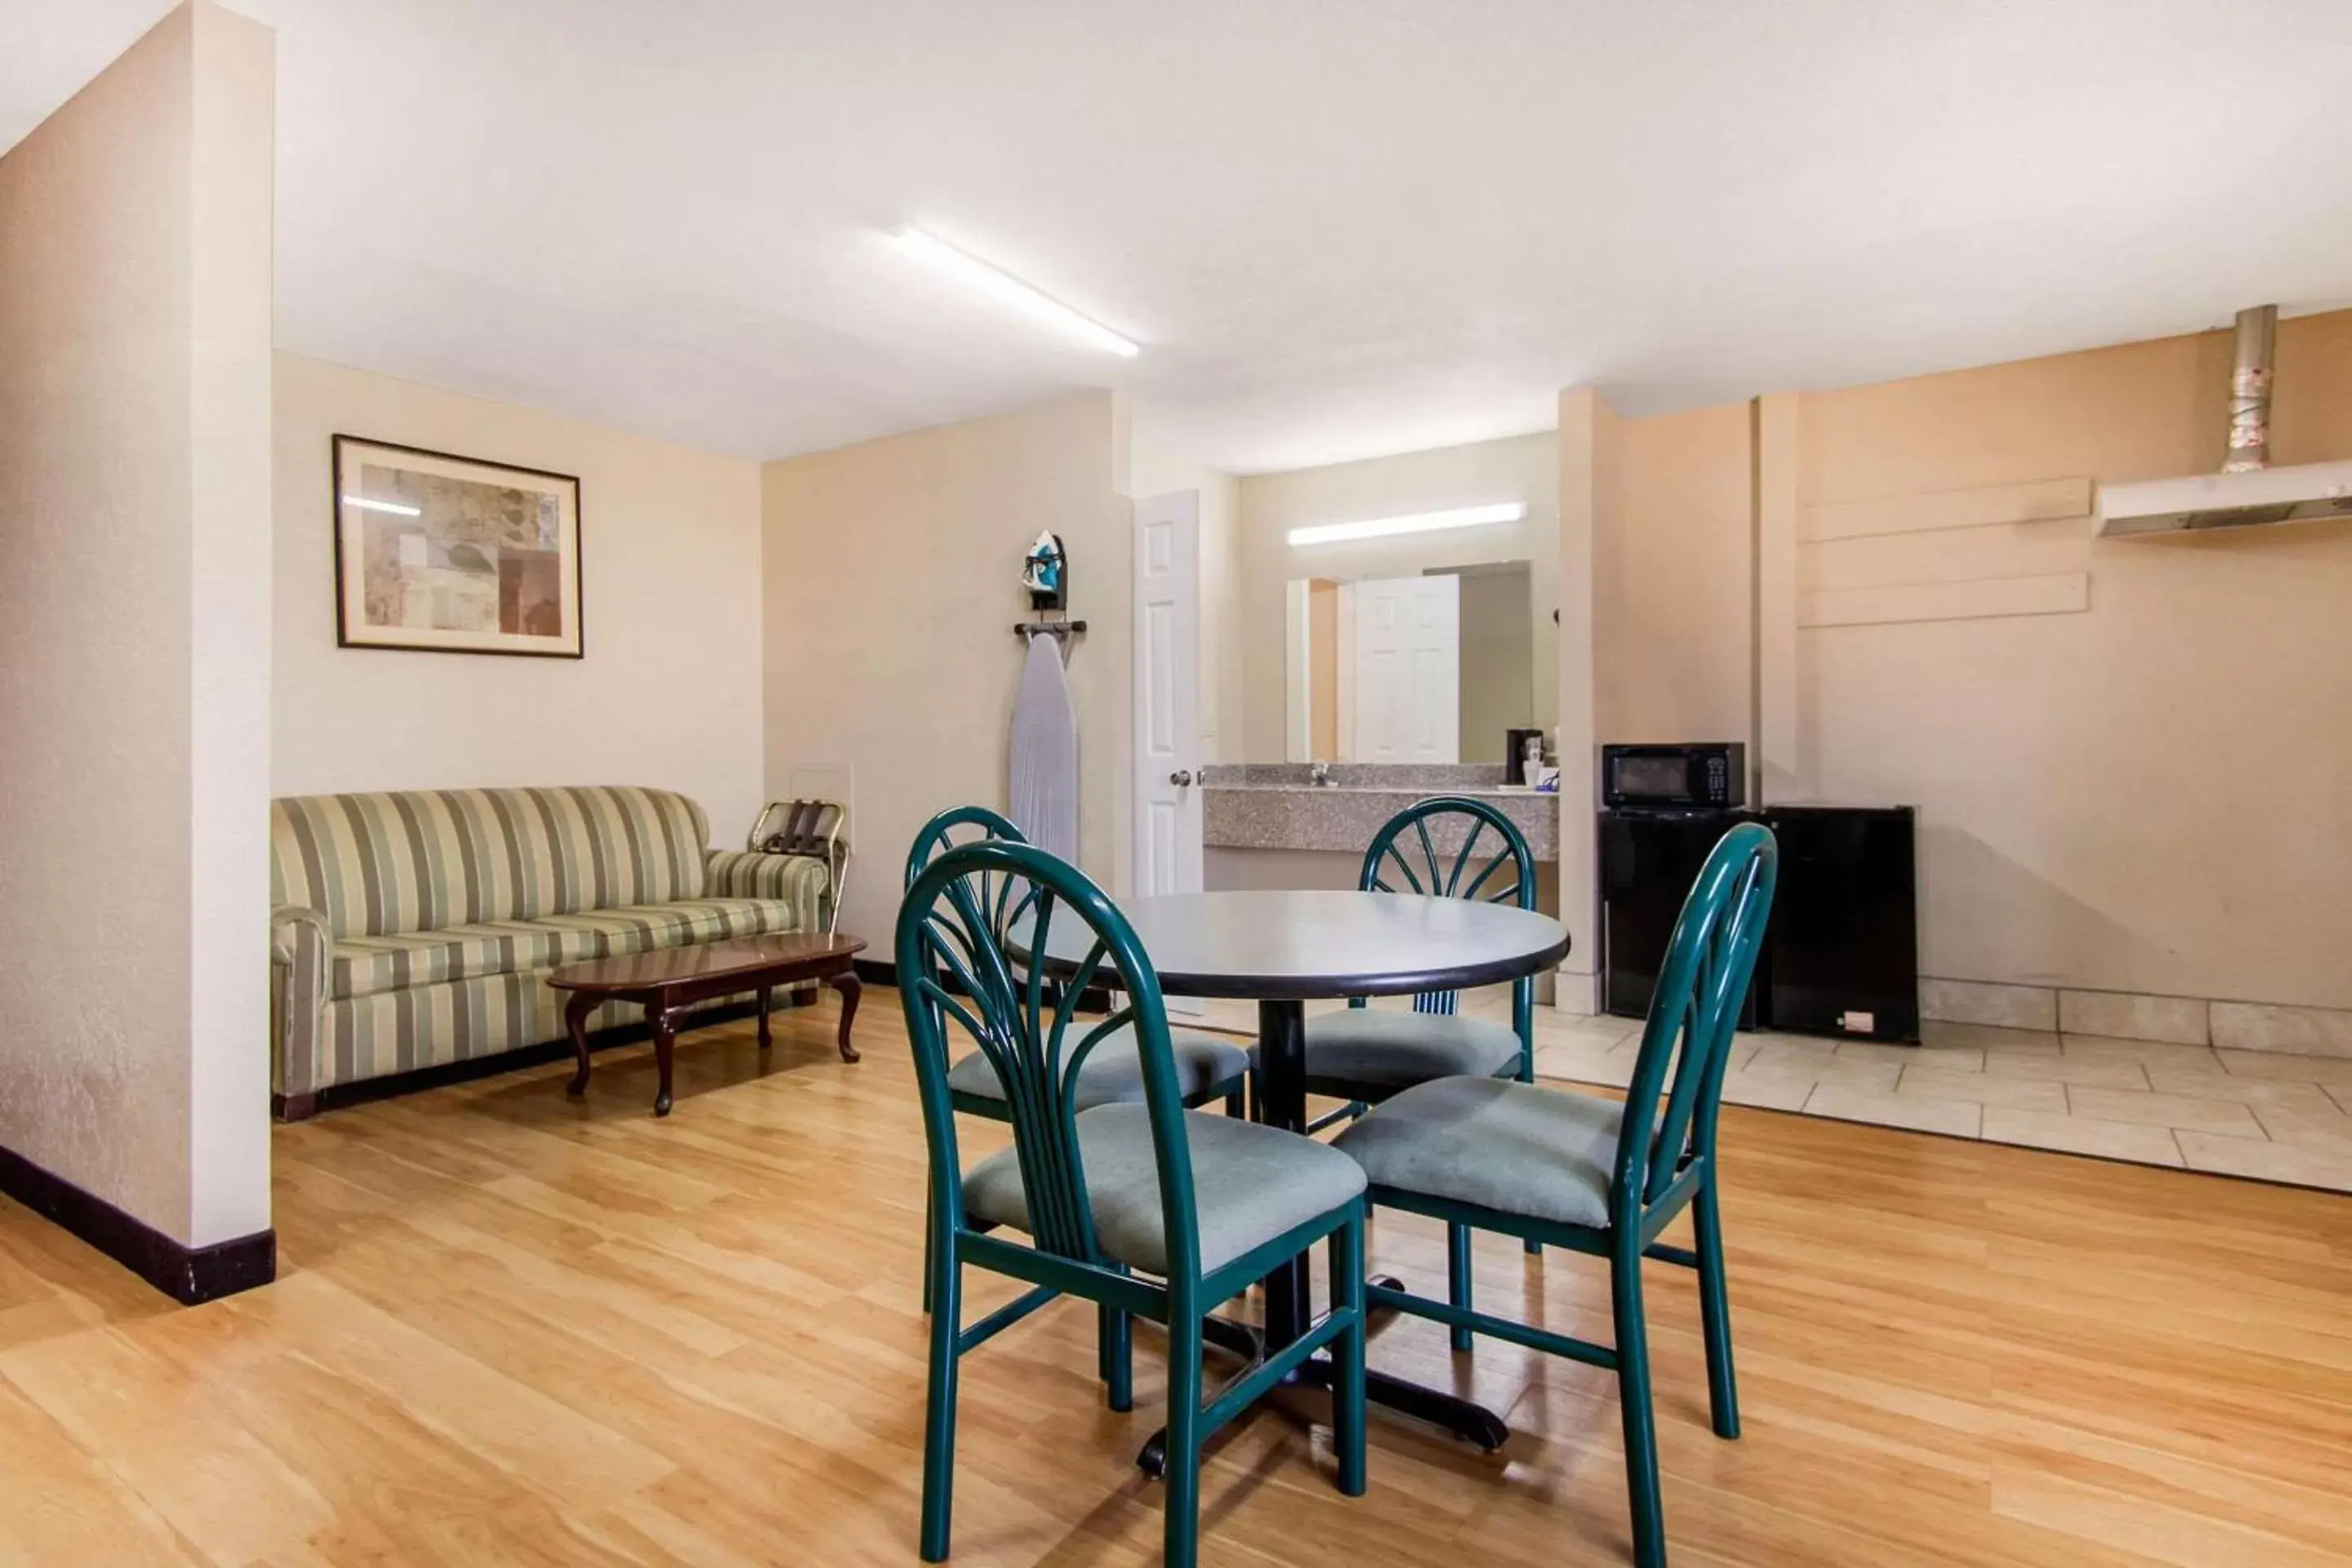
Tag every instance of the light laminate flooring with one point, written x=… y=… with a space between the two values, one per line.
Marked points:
x=512 y=1328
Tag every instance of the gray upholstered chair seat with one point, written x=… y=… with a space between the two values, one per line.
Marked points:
x=1390 y=1048
x=1516 y=1148
x=1250 y=1184
x=1112 y=1073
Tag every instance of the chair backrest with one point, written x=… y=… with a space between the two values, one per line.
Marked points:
x=954 y=966
x=1431 y=847
x=1693 y=1013
x=957 y=825
x=971 y=824
x=406 y=861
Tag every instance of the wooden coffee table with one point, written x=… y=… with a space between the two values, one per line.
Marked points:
x=666 y=982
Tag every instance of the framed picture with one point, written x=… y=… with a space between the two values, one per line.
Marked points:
x=453 y=554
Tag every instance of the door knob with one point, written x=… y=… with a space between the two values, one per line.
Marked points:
x=1180 y=777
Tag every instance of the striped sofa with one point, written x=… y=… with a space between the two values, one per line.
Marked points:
x=416 y=928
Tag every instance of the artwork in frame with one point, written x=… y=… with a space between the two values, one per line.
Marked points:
x=453 y=554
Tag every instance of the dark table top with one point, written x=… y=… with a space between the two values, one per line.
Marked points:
x=749 y=956
x=1300 y=945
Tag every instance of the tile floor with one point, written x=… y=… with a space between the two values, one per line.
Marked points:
x=2265 y=1115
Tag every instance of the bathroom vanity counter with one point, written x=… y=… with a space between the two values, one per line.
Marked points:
x=1262 y=805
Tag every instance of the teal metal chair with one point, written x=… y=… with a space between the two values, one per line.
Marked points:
x=1576 y=1171
x=1110 y=1193
x=1365 y=1055
x=1208 y=1067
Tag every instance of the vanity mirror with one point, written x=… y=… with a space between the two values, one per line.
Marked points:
x=1439 y=667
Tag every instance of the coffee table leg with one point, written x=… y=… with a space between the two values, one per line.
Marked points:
x=851 y=989
x=575 y=1024
x=665 y=1029
x=766 y=1039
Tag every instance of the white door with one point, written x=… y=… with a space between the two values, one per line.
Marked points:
x=1168 y=694
x=1407 y=662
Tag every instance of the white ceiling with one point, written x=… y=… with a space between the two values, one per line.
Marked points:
x=1339 y=229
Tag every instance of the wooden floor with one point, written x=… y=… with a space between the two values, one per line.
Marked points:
x=512 y=1329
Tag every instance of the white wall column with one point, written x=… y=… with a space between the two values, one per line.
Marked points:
x=135 y=288
x=1775 y=768
x=1588 y=487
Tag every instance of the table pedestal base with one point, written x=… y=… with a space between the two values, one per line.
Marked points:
x=1239 y=1339
x=1466 y=1419
x=1281 y=1101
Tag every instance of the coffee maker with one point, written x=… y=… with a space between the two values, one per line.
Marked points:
x=1514 y=752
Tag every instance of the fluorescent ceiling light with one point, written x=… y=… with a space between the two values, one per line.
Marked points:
x=1414 y=523
x=1011 y=290
x=366 y=505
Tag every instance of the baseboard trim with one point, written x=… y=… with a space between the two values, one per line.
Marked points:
x=2224 y=1023
x=301 y=1107
x=189 y=1275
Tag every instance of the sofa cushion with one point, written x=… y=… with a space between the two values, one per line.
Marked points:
x=431 y=861
x=362 y=966
x=600 y=933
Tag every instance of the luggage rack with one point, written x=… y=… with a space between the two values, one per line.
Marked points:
x=811 y=827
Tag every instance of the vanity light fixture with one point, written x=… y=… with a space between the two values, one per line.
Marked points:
x=366 y=505
x=1412 y=522
x=1004 y=286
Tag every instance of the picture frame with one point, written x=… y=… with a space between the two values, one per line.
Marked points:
x=438 y=552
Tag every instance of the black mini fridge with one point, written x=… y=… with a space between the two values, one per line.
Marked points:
x=1840 y=956
x=1649 y=857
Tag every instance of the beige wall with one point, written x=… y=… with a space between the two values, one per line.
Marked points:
x=2152 y=796
x=669 y=693
x=2149 y=795
x=1520 y=467
x=1673 y=580
x=1590 y=493
x=892 y=585
x=134 y=609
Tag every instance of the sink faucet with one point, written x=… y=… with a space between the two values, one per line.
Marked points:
x=1320 y=775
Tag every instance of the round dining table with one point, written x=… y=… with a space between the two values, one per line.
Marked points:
x=1282 y=950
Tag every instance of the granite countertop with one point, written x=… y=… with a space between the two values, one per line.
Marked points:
x=1430 y=778
x=1274 y=805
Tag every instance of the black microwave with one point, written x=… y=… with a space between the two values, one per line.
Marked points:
x=1703 y=773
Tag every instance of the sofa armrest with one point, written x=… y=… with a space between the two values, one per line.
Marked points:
x=292 y=927
x=802 y=880
x=300 y=943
